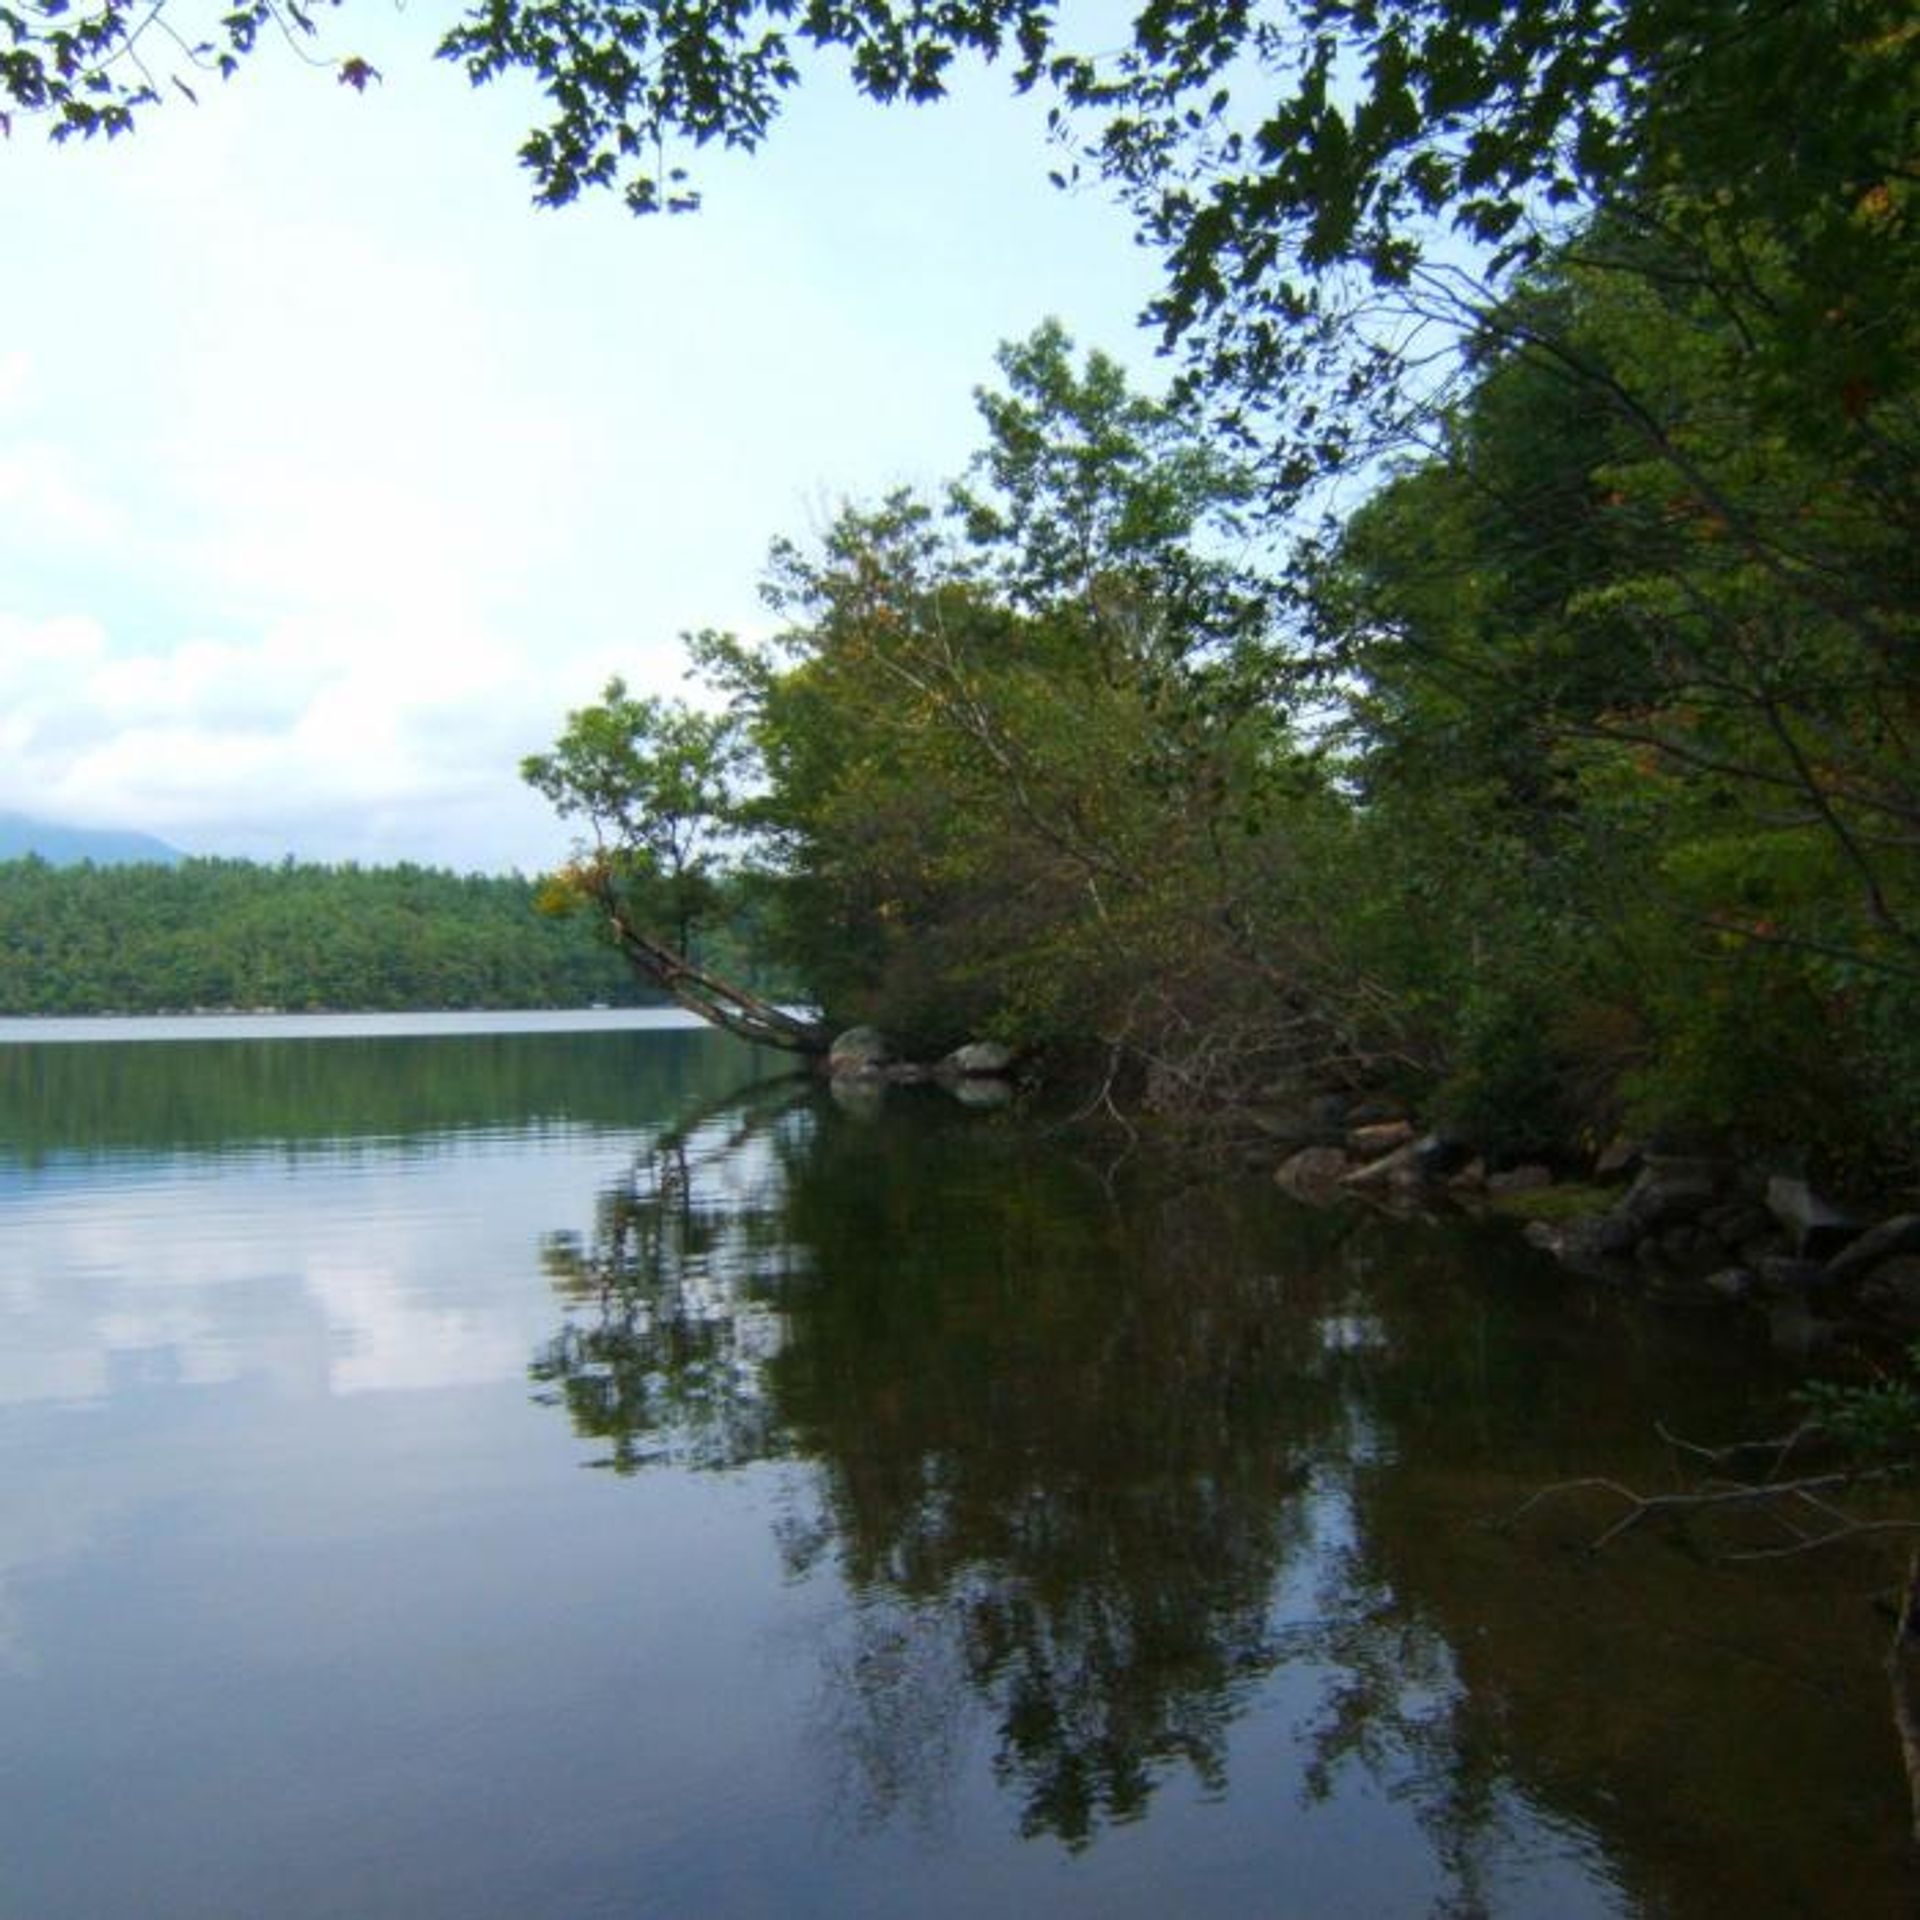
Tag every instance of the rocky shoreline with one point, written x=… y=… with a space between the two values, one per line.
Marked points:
x=1690 y=1229
x=1687 y=1229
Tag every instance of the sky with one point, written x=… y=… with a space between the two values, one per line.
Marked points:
x=333 y=474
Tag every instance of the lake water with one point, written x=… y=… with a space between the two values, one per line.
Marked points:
x=482 y=1472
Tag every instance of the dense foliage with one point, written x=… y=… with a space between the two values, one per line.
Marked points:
x=1022 y=760
x=228 y=933
x=1633 y=698
x=1539 y=790
x=1566 y=767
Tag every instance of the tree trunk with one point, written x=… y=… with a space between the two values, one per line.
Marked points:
x=719 y=1002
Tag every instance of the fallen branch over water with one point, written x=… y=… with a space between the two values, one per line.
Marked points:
x=1778 y=1498
x=1810 y=1514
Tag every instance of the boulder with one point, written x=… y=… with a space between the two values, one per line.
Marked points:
x=1381 y=1136
x=860 y=1096
x=982 y=1090
x=1442 y=1157
x=1817 y=1229
x=1892 y=1290
x=1736 y=1222
x=1314 y=1173
x=1400 y=1168
x=857 y=1051
x=1888 y=1240
x=1731 y=1283
x=1289 y=1127
x=1665 y=1193
x=978 y=1059
x=1578 y=1244
x=1619 y=1158
x=1688 y=1246
x=1524 y=1179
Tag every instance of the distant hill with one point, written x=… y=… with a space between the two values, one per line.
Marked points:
x=21 y=834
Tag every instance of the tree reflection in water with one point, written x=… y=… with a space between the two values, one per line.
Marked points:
x=1054 y=1460
x=673 y=1305
x=1090 y=1467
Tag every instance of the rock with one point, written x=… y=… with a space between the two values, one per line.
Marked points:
x=1382 y=1136
x=1687 y=1245
x=1289 y=1127
x=982 y=1090
x=1665 y=1193
x=1892 y=1290
x=1737 y=1222
x=1441 y=1158
x=1373 y=1112
x=859 y=1096
x=1400 y=1168
x=1526 y=1179
x=1899 y=1235
x=978 y=1058
x=1816 y=1229
x=1314 y=1173
x=1471 y=1177
x=1576 y=1244
x=858 y=1050
x=1732 y=1283
x=1620 y=1157
x=1616 y=1234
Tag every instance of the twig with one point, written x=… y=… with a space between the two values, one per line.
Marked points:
x=1641 y=1505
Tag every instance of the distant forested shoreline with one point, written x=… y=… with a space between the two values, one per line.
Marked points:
x=233 y=933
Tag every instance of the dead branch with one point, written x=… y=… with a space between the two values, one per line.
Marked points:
x=1776 y=1497
x=1743 y=1455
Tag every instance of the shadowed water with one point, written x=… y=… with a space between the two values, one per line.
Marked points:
x=472 y=1474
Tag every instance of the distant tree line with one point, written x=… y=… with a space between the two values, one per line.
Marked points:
x=233 y=933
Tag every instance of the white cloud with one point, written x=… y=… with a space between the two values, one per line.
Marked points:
x=331 y=476
x=44 y=498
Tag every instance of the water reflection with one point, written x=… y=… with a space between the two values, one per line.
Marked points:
x=337 y=1215
x=1074 y=1457
x=1102 y=1475
x=672 y=1318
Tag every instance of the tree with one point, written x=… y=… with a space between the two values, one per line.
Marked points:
x=654 y=781
x=1654 y=727
x=1028 y=758
x=1265 y=147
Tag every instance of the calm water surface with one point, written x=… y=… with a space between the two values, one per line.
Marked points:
x=475 y=1472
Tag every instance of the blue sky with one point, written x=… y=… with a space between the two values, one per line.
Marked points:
x=332 y=473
